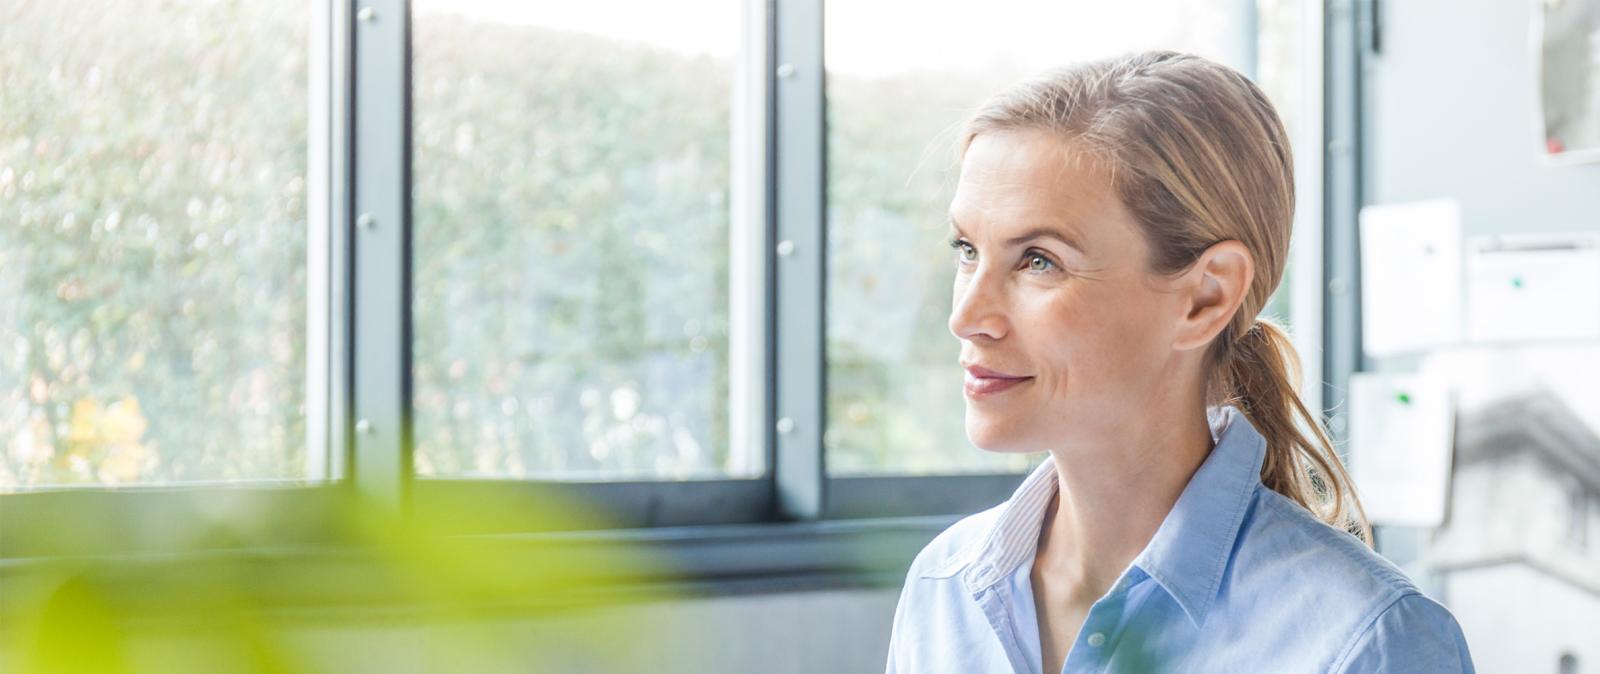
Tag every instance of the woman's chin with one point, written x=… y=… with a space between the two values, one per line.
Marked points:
x=996 y=438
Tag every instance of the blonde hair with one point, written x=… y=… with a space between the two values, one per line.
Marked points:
x=1197 y=154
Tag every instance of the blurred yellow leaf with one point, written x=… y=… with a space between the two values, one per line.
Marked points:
x=83 y=430
x=123 y=423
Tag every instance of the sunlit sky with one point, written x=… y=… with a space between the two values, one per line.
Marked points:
x=887 y=37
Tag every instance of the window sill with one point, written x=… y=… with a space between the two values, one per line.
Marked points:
x=522 y=574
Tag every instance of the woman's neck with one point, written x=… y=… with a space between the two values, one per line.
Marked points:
x=1114 y=494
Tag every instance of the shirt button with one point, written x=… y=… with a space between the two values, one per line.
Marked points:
x=1097 y=639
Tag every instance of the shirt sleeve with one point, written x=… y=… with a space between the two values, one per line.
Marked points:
x=1414 y=634
x=891 y=667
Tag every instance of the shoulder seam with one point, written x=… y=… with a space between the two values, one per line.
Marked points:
x=1367 y=623
x=1396 y=581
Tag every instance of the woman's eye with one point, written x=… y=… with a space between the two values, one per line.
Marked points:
x=964 y=250
x=1037 y=262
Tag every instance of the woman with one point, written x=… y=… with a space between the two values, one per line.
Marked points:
x=1118 y=225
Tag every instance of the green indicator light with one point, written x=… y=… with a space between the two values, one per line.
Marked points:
x=1403 y=397
x=1516 y=281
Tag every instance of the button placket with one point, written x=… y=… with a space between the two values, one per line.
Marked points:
x=1092 y=650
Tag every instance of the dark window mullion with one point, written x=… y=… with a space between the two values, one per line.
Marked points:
x=800 y=260
x=1341 y=353
x=379 y=227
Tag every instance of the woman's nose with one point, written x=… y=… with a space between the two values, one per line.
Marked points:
x=978 y=309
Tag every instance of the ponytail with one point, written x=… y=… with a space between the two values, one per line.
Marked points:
x=1259 y=374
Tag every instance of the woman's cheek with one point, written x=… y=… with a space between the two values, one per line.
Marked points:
x=1112 y=331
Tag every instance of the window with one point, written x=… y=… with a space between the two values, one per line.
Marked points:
x=572 y=228
x=153 y=243
x=596 y=273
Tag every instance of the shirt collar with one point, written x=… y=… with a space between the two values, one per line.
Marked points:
x=1190 y=550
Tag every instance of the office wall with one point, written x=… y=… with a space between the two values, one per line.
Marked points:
x=833 y=631
x=1450 y=109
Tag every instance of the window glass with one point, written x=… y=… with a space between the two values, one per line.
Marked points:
x=152 y=241
x=572 y=211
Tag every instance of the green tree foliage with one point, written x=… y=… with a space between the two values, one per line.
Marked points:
x=152 y=241
x=572 y=227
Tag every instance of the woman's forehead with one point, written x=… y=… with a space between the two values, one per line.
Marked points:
x=1023 y=180
x=1040 y=154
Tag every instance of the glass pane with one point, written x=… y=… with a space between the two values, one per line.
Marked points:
x=902 y=77
x=1278 y=73
x=152 y=241
x=572 y=239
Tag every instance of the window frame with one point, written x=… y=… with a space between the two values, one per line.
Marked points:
x=793 y=526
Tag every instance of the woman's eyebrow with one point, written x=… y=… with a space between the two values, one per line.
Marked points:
x=1042 y=232
x=1035 y=233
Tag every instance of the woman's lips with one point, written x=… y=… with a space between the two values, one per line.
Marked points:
x=980 y=383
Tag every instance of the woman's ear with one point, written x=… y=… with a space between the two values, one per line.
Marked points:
x=1214 y=287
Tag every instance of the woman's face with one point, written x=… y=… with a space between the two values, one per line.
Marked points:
x=1052 y=293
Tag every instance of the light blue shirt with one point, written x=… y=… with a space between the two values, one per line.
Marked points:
x=1237 y=578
